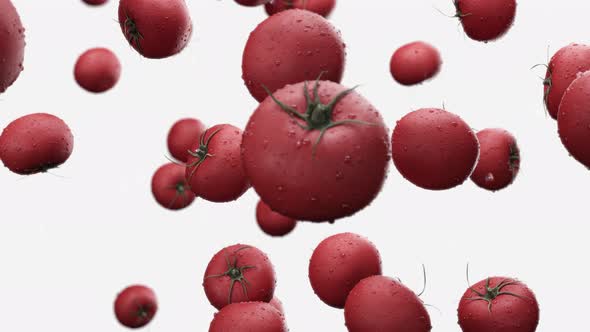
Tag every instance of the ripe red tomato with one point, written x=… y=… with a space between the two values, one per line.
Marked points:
x=275 y=302
x=182 y=136
x=290 y=47
x=321 y=7
x=214 y=168
x=248 y=317
x=12 y=44
x=499 y=159
x=338 y=263
x=155 y=28
x=272 y=223
x=239 y=273
x=35 y=143
x=382 y=304
x=573 y=119
x=415 y=63
x=434 y=149
x=304 y=156
x=498 y=304
x=136 y=306
x=170 y=188
x=97 y=70
x=486 y=20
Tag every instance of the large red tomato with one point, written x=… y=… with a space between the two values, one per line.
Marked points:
x=12 y=44
x=316 y=154
x=248 y=317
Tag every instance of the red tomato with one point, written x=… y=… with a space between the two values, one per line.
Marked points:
x=290 y=47
x=136 y=306
x=251 y=3
x=95 y=2
x=248 y=317
x=182 y=136
x=35 y=143
x=565 y=66
x=414 y=63
x=339 y=263
x=319 y=159
x=382 y=304
x=273 y=223
x=486 y=20
x=498 y=305
x=239 y=273
x=97 y=70
x=275 y=302
x=434 y=149
x=214 y=168
x=12 y=44
x=321 y=7
x=573 y=119
x=155 y=28
x=499 y=159
x=170 y=188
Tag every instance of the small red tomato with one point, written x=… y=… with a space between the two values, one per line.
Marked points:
x=136 y=306
x=182 y=136
x=499 y=159
x=214 y=167
x=273 y=223
x=35 y=143
x=97 y=70
x=498 y=304
x=95 y=2
x=339 y=263
x=486 y=20
x=321 y=7
x=170 y=188
x=239 y=273
x=382 y=304
x=248 y=317
x=434 y=149
x=415 y=63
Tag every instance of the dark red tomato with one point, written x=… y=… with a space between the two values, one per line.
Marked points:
x=251 y=3
x=434 y=149
x=136 y=306
x=214 y=167
x=565 y=66
x=321 y=7
x=95 y=2
x=239 y=273
x=170 y=188
x=573 y=119
x=275 y=302
x=182 y=136
x=97 y=70
x=12 y=44
x=499 y=159
x=272 y=223
x=415 y=63
x=318 y=159
x=339 y=263
x=35 y=143
x=155 y=28
x=486 y=20
x=382 y=304
x=248 y=317
x=290 y=47
x=498 y=304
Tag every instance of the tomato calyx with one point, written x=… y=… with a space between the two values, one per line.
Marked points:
x=491 y=293
x=202 y=153
x=131 y=31
x=547 y=83
x=181 y=189
x=317 y=116
x=514 y=160
x=459 y=13
x=235 y=273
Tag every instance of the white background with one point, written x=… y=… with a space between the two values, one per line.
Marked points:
x=68 y=245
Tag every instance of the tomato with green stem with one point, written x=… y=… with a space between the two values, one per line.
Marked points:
x=316 y=154
x=170 y=188
x=499 y=159
x=136 y=306
x=239 y=273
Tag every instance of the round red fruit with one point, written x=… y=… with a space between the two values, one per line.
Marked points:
x=275 y=302
x=35 y=143
x=182 y=136
x=136 y=306
x=415 y=63
x=290 y=47
x=214 y=167
x=434 y=149
x=486 y=20
x=12 y=44
x=97 y=70
x=273 y=223
x=248 y=317
x=499 y=159
x=573 y=119
x=339 y=263
x=170 y=188
x=239 y=273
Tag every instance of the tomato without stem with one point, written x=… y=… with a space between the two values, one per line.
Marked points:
x=415 y=63
x=12 y=44
x=183 y=134
x=273 y=223
x=248 y=317
x=97 y=70
x=573 y=119
x=486 y=20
